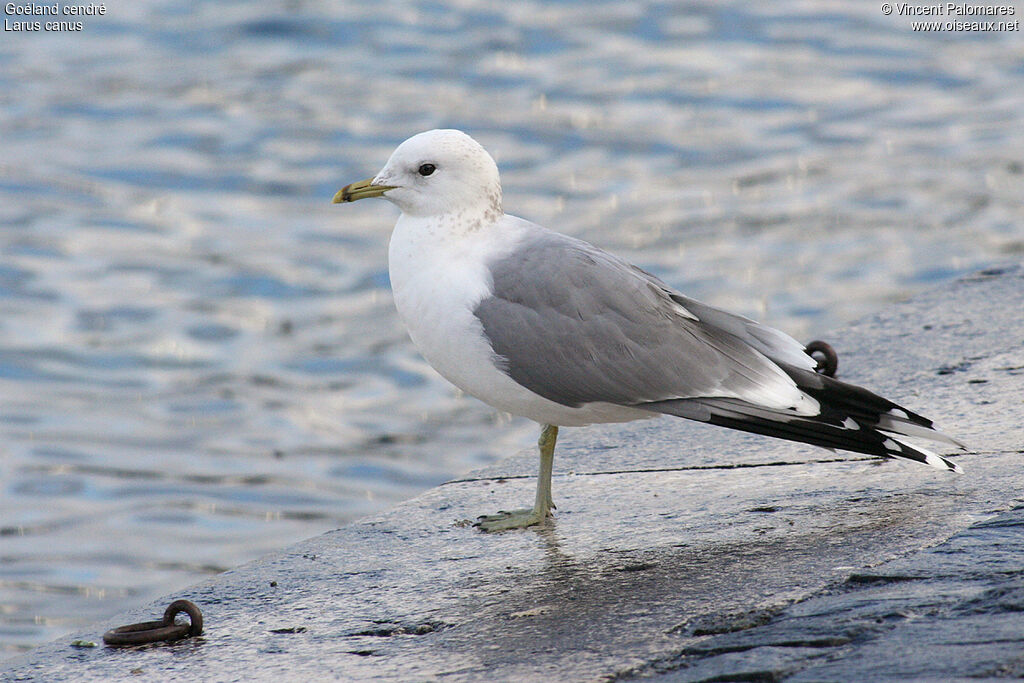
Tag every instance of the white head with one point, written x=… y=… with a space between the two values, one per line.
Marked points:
x=434 y=173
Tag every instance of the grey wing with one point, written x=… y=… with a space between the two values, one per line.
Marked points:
x=576 y=325
x=773 y=343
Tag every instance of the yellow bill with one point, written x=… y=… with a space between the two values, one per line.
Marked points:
x=360 y=190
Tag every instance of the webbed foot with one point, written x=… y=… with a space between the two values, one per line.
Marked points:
x=541 y=510
x=515 y=519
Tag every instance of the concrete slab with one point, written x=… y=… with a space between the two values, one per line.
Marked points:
x=678 y=550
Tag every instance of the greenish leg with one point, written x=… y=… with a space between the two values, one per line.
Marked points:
x=542 y=505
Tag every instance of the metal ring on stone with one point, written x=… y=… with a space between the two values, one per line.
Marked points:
x=827 y=358
x=159 y=631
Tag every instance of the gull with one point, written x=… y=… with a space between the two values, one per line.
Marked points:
x=548 y=327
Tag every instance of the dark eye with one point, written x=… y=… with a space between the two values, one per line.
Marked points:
x=427 y=169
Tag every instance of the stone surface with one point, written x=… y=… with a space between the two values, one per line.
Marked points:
x=678 y=550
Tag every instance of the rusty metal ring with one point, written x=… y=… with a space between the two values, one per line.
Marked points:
x=827 y=358
x=158 y=631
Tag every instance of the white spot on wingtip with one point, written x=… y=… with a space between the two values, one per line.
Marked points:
x=942 y=463
x=893 y=445
x=902 y=414
x=806 y=406
x=850 y=423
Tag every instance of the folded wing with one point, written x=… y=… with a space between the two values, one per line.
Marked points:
x=577 y=325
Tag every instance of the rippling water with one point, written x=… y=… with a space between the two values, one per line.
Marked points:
x=199 y=360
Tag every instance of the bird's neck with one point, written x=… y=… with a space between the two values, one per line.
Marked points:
x=451 y=238
x=457 y=224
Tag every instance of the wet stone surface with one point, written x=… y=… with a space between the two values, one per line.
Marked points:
x=954 y=610
x=754 y=560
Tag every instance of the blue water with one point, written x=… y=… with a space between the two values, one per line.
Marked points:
x=199 y=359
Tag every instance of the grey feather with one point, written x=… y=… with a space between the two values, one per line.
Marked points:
x=777 y=345
x=576 y=325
